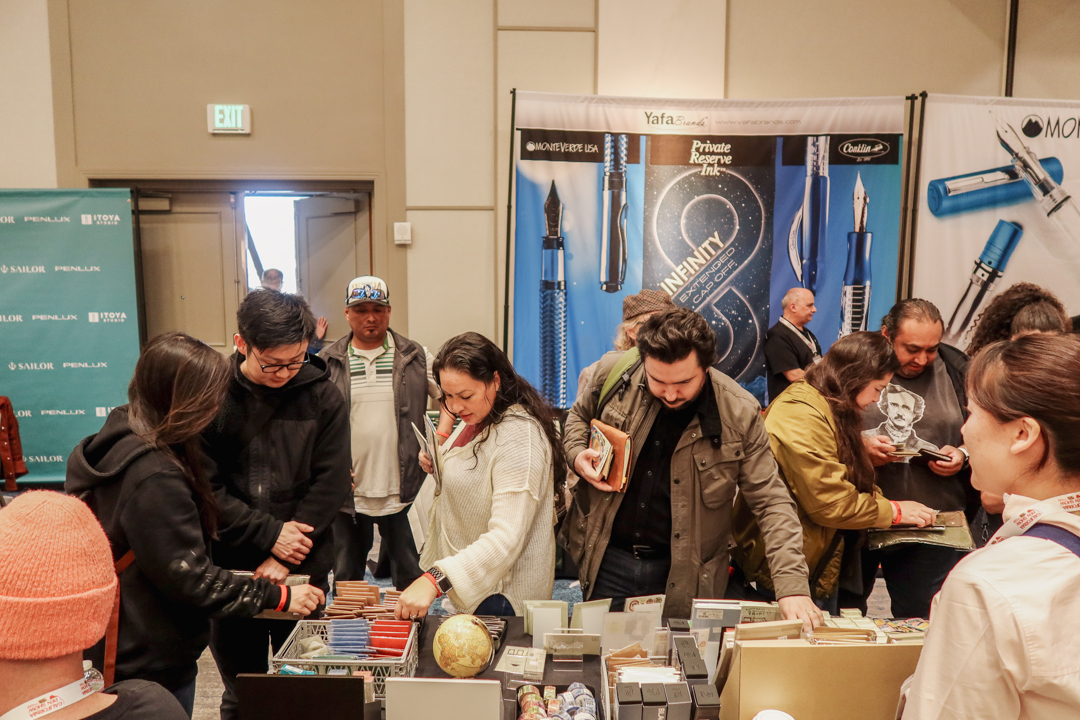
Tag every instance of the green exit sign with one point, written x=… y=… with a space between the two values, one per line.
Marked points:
x=228 y=119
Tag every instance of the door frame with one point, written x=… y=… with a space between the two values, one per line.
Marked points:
x=239 y=187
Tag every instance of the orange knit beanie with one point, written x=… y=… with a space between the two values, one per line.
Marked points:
x=57 y=581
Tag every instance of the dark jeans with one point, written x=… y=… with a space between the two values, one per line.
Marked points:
x=495 y=605
x=239 y=646
x=621 y=575
x=354 y=536
x=913 y=572
x=186 y=697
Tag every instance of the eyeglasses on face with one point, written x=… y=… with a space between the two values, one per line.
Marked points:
x=278 y=368
x=367 y=292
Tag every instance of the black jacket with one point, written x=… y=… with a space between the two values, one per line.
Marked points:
x=169 y=593
x=410 y=401
x=294 y=464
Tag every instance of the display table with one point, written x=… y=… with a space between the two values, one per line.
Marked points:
x=587 y=671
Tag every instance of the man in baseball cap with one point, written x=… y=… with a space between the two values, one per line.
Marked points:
x=57 y=589
x=386 y=379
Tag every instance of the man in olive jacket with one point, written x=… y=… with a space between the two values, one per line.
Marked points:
x=697 y=436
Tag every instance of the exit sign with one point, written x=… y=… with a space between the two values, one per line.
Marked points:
x=228 y=119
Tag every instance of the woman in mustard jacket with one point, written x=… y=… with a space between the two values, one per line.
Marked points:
x=815 y=428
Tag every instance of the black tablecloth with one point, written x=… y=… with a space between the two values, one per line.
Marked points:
x=587 y=672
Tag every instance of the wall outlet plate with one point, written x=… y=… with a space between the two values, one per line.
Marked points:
x=402 y=233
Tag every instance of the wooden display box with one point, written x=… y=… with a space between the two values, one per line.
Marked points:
x=817 y=682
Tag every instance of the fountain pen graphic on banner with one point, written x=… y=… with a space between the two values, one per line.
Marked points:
x=1053 y=199
x=613 y=231
x=856 y=294
x=553 y=305
x=806 y=240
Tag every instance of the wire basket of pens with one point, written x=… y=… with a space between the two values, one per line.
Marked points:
x=382 y=648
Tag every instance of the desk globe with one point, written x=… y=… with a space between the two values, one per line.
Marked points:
x=462 y=646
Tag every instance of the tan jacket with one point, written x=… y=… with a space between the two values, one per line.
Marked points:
x=704 y=476
x=802 y=433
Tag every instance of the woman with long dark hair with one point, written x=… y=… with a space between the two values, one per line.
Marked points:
x=491 y=540
x=1002 y=639
x=814 y=430
x=142 y=475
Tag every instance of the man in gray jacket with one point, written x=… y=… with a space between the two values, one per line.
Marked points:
x=697 y=437
x=386 y=380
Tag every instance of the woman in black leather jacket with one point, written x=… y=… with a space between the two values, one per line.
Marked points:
x=143 y=476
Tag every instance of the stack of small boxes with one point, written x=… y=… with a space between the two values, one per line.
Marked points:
x=691 y=699
x=575 y=703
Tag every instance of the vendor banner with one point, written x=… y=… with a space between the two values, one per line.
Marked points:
x=69 y=329
x=997 y=204
x=722 y=205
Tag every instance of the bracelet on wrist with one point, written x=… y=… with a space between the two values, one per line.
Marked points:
x=442 y=434
x=284 y=601
x=434 y=582
x=898 y=513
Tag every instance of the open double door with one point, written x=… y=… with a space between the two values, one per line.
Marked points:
x=194 y=258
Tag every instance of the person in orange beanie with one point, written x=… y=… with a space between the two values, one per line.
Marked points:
x=57 y=587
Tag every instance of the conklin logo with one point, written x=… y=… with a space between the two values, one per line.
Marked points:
x=54 y=317
x=100 y=219
x=863 y=148
x=44 y=458
x=77 y=268
x=37 y=219
x=62 y=412
x=106 y=317
x=1051 y=127
x=86 y=365
x=11 y=318
x=674 y=120
x=31 y=269
x=30 y=366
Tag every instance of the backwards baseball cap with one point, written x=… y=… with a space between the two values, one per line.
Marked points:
x=57 y=581
x=367 y=289
x=646 y=301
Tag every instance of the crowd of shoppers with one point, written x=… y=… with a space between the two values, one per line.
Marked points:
x=277 y=463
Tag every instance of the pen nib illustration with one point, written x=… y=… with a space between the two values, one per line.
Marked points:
x=859 y=201
x=553 y=211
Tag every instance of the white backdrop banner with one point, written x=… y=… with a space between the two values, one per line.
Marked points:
x=997 y=203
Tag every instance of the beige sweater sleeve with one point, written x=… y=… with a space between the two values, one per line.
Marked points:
x=517 y=463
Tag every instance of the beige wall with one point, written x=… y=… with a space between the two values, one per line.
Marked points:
x=413 y=95
x=27 y=153
x=324 y=79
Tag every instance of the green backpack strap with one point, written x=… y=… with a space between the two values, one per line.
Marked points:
x=622 y=371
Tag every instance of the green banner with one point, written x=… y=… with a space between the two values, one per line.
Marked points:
x=69 y=329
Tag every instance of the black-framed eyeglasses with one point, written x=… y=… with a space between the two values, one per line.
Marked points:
x=278 y=368
x=367 y=292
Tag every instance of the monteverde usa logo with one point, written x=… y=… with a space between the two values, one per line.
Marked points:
x=1051 y=126
x=863 y=148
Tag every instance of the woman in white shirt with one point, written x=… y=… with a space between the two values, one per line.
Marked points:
x=1003 y=639
x=491 y=543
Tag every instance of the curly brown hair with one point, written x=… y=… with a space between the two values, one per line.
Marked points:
x=852 y=363
x=1023 y=307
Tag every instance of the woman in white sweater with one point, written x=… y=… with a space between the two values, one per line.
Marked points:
x=491 y=541
x=1003 y=630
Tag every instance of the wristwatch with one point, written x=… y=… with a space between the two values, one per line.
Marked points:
x=441 y=581
x=967 y=456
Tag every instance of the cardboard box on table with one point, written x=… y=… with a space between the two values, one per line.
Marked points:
x=817 y=682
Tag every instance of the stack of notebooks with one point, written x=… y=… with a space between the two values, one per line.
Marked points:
x=358 y=599
x=912 y=630
x=359 y=639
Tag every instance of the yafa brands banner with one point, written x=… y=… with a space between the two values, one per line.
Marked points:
x=723 y=205
x=69 y=329
x=997 y=204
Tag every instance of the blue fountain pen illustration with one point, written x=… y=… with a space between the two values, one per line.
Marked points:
x=806 y=241
x=553 y=305
x=613 y=231
x=855 y=298
x=989 y=266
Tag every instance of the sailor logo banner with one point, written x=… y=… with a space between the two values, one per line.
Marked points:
x=722 y=205
x=69 y=324
x=997 y=204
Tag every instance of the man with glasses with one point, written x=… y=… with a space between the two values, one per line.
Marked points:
x=278 y=453
x=386 y=380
